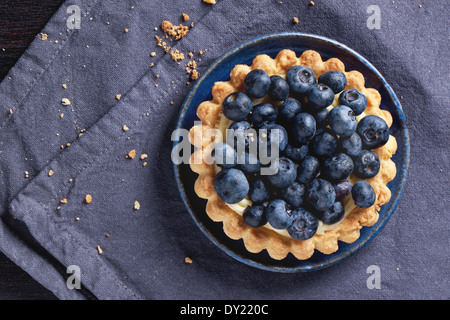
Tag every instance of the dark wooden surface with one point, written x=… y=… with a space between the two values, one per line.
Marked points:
x=20 y=22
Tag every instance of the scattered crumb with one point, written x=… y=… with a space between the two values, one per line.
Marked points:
x=311 y=3
x=166 y=25
x=190 y=54
x=191 y=69
x=143 y=156
x=295 y=20
x=125 y=128
x=10 y=111
x=65 y=102
x=210 y=1
x=50 y=172
x=26 y=174
x=136 y=205
x=77 y=219
x=185 y=17
x=64 y=86
x=61 y=115
x=100 y=251
x=64 y=200
x=152 y=65
x=118 y=96
x=44 y=36
x=187 y=259
x=126 y=30
x=144 y=163
x=107 y=235
x=88 y=198
x=152 y=54
x=131 y=154
x=176 y=55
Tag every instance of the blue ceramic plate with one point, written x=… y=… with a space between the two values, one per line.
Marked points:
x=271 y=45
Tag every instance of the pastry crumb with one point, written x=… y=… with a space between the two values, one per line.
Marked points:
x=188 y=260
x=10 y=111
x=295 y=20
x=126 y=30
x=64 y=86
x=26 y=174
x=311 y=3
x=64 y=200
x=131 y=154
x=136 y=205
x=166 y=25
x=144 y=163
x=44 y=36
x=176 y=55
x=65 y=102
x=152 y=54
x=143 y=156
x=100 y=251
x=185 y=17
x=125 y=128
x=118 y=96
x=88 y=198
x=210 y=1
x=50 y=172
x=61 y=115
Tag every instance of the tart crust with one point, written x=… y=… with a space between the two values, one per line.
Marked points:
x=258 y=239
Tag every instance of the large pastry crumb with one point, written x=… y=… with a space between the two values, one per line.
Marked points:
x=258 y=239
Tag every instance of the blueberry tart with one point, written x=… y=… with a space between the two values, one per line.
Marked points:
x=330 y=148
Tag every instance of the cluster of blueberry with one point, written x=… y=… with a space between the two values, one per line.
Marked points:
x=320 y=147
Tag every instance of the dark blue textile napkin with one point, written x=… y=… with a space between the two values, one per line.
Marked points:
x=125 y=93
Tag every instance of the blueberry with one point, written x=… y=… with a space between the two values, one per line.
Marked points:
x=308 y=170
x=288 y=110
x=242 y=133
x=257 y=83
x=319 y=97
x=262 y=114
x=278 y=214
x=321 y=118
x=224 y=155
x=325 y=143
x=374 y=132
x=237 y=106
x=363 y=194
x=255 y=216
x=304 y=224
x=300 y=80
x=342 y=188
x=279 y=88
x=367 y=164
x=296 y=152
x=294 y=194
x=231 y=185
x=336 y=80
x=286 y=174
x=333 y=214
x=249 y=163
x=259 y=192
x=342 y=121
x=303 y=127
x=272 y=132
x=337 y=167
x=354 y=99
x=321 y=194
x=350 y=145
